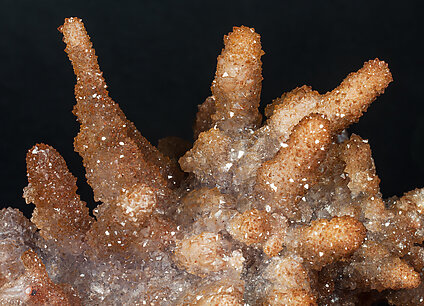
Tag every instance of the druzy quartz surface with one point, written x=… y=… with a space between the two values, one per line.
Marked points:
x=283 y=209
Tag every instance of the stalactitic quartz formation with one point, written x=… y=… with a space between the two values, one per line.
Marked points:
x=282 y=212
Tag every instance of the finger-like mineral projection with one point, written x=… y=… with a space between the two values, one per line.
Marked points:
x=285 y=211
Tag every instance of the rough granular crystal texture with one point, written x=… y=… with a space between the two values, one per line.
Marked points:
x=285 y=211
x=238 y=81
x=59 y=214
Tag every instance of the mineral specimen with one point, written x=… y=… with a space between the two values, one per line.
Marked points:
x=282 y=212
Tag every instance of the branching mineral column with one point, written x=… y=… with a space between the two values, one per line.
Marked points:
x=282 y=212
x=59 y=214
x=238 y=81
x=109 y=144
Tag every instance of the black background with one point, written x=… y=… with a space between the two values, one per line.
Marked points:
x=159 y=59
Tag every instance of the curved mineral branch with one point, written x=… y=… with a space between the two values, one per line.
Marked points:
x=238 y=81
x=293 y=170
x=59 y=214
x=346 y=103
x=115 y=154
x=342 y=106
x=288 y=110
x=326 y=241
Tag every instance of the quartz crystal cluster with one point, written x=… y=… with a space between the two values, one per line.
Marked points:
x=284 y=210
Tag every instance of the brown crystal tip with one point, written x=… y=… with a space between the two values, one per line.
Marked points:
x=238 y=81
x=59 y=212
x=326 y=241
x=114 y=152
